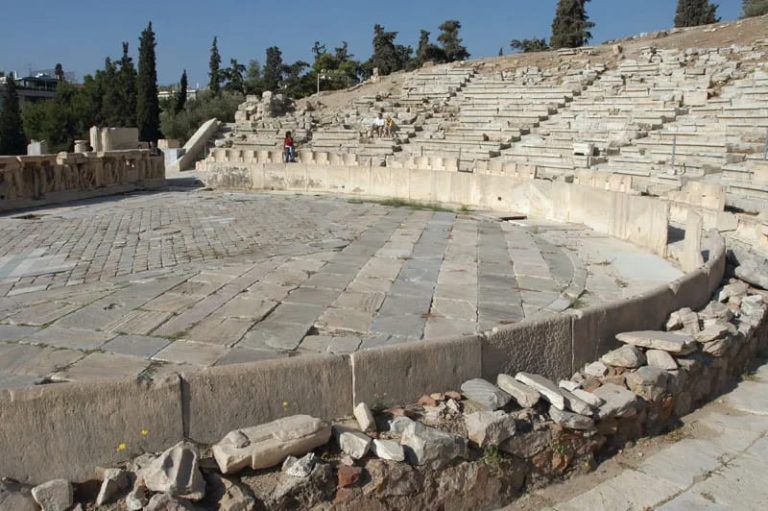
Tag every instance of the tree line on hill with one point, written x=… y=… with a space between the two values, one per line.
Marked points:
x=123 y=95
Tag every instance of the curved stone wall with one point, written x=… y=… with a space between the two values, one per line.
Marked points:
x=86 y=426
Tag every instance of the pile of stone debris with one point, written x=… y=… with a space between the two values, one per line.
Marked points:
x=480 y=447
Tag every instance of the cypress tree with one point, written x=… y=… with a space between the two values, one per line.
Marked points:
x=273 y=69
x=692 y=13
x=214 y=68
x=126 y=80
x=570 y=28
x=110 y=101
x=386 y=55
x=181 y=97
x=147 y=103
x=451 y=41
x=754 y=8
x=59 y=72
x=12 y=139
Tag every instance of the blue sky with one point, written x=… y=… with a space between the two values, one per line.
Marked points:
x=39 y=33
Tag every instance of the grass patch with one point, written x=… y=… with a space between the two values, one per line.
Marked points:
x=492 y=455
x=401 y=203
x=580 y=302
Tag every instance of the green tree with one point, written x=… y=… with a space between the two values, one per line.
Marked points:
x=235 y=75
x=182 y=125
x=147 y=103
x=273 y=69
x=59 y=72
x=214 y=68
x=571 y=25
x=253 y=79
x=386 y=55
x=451 y=42
x=692 y=13
x=427 y=52
x=318 y=49
x=181 y=97
x=110 y=100
x=529 y=45
x=12 y=139
x=754 y=8
x=126 y=84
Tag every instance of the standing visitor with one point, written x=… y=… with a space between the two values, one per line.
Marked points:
x=289 y=155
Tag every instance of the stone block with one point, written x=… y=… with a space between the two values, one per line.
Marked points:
x=401 y=374
x=317 y=385
x=82 y=425
x=524 y=395
x=540 y=346
x=485 y=394
x=270 y=444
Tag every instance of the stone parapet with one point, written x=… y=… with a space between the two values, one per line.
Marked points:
x=27 y=181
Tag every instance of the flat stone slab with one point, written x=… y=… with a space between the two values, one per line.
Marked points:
x=188 y=352
x=628 y=491
x=72 y=338
x=547 y=388
x=136 y=345
x=673 y=342
x=103 y=366
x=525 y=395
x=485 y=394
x=749 y=397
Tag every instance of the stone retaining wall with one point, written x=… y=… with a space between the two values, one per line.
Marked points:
x=642 y=220
x=66 y=430
x=28 y=181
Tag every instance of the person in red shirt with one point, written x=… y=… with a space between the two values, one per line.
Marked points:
x=289 y=148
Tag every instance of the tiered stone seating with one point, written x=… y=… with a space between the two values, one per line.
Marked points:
x=625 y=105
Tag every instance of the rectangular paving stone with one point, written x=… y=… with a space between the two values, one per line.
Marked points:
x=442 y=328
x=220 y=330
x=189 y=352
x=275 y=335
x=136 y=345
x=15 y=333
x=328 y=281
x=413 y=288
x=269 y=291
x=312 y=296
x=172 y=302
x=366 y=302
x=246 y=306
x=296 y=313
x=369 y=285
x=18 y=381
x=345 y=320
x=71 y=338
x=395 y=305
x=42 y=313
x=103 y=366
x=288 y=277
x=242 y=355
x=457 y=292
x=406 y=326
x=40 y=361
x=628 y=490
x=456 y=309
x=138 y=322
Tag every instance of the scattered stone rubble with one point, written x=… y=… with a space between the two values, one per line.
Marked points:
x=480 y=448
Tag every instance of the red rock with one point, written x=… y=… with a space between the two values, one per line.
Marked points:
x=349 y=476
x=427 y=401
x=452 y=394
x=437 y=396
x=397 y=412
x=345 y=495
